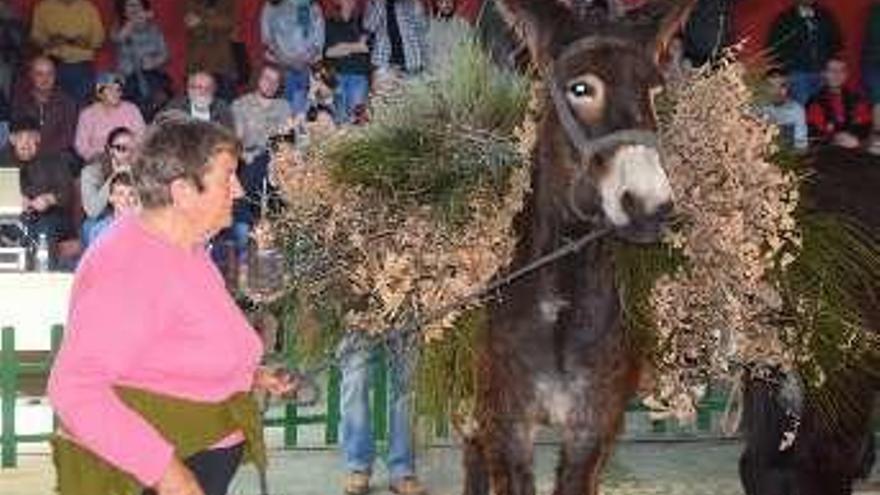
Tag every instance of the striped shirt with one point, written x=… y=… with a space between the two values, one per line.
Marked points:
x=412 y=21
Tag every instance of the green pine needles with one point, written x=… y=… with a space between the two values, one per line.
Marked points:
x=441 y=138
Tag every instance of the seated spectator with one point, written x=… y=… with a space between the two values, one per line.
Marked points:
x=293 y=34
x=107 y=113
x=42 y=100
x=348 y=55
x=46 y=185
x=200 y=101
x=838 y=115
x=123 y=198
x=71 y=32
x=141 y=54
x=95 y=179
x=261 y=114
x=785 y=112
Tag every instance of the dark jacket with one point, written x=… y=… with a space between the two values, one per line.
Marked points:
x=801 y=44
x=220 y=111
x=707 y=31
x=47 y=173
x=57 y=117
x=825 y=121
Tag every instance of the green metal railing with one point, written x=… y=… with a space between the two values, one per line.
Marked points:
x=13 y=369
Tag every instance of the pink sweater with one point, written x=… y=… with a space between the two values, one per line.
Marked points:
x=146 y=314
x=96 y=121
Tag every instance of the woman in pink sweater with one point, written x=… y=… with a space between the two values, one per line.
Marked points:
x=149 y=311
x=108 y=112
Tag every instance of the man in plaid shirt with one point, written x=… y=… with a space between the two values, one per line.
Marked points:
x=399 y=29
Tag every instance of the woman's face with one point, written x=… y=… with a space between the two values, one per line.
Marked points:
x=210 y=209
x=121 y=151
x=110 y=95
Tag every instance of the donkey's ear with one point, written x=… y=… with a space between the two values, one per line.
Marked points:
x=535 y=22
x=659 y=21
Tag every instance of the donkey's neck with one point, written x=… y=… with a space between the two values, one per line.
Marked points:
x=548 y=226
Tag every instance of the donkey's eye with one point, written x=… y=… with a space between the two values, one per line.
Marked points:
x=582 y=90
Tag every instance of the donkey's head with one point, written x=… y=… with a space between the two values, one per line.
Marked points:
x=601 y=72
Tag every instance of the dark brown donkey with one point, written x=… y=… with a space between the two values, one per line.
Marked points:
x=555 y=352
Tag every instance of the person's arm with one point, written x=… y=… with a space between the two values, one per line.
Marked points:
x=39 y=30
x=137 y=124
x=861 y=122
x=62 y=183
x=817 y=123
x=266 y=35
x=94 y=189
x=238 y=119
x=780 y=38
x=159 y=54
x=95 y=37
x=372 y=16
x=318 y=34
x=801 y=134
x=105 y=337
x=82 y=141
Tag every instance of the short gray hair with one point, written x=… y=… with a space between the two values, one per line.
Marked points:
x=177 y=148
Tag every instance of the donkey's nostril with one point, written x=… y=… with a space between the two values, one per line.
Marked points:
x=631 y=204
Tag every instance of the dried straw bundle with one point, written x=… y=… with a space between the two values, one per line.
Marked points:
x=414 y=211
x=737 y=211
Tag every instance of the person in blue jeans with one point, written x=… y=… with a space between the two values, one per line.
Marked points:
x=358 y=446
x=347 y=53
x=293 y=33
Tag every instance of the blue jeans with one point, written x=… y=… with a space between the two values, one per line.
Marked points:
x=351 y=91
x=236 y=237
x=358 y=446
x=77 y=80
x=296 y=90
x=803 y=85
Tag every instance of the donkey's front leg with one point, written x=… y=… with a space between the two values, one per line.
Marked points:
x=476 y=478
x=581 y=460
x=509 y=451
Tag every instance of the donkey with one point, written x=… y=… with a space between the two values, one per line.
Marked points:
x=554 y=352
x=825 y=451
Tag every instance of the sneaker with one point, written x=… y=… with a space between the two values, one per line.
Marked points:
x=357 y=483
x=408 y=485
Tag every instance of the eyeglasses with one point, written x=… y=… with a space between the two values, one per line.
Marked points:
x=120 y=148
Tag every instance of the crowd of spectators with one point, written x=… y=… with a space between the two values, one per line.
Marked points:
x=811 y=93
x=319 y=61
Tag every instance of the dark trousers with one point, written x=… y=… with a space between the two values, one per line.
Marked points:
x=213 y=469
x=77 y=80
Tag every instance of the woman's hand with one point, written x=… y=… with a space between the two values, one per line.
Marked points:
x=178 y=480
x=276 y=382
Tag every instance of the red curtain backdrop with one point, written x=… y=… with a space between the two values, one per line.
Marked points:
x=753 y=19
